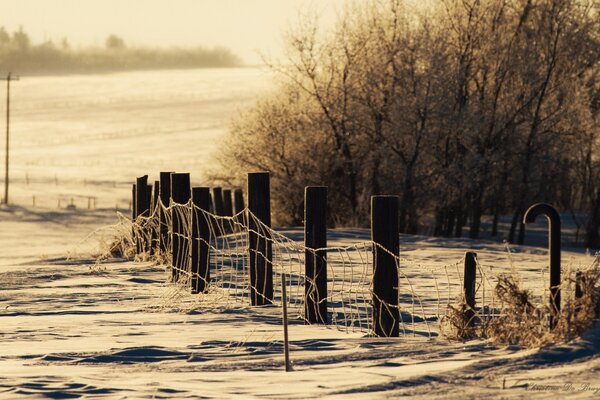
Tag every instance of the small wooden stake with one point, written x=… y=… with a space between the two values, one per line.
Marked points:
x=286 y=345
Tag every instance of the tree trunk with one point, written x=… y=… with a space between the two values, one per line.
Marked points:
x=495 y=221
x=513 y=225
x=450 y=218
x=459 y=220
x=476 y=216
x=521 y=238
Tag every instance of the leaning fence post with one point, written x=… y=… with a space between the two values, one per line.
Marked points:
x=469 y=285
x=200 y=239
x=554 y=248
x=259 y=240
x=180 y=193
x=386 y=250
x=315 y=258
x=165 y=196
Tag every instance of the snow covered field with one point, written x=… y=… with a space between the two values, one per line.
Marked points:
x=72 y=329
x=90 y=135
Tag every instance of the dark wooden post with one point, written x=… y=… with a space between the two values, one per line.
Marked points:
x=181 y=194
x=141 y=196
x=578 y=285
x=147 y=224
x=165 y=197
x=227 y=205
x=386 y=247
x=260 y=247
x=133 y=215
x=200 y=240
x=142 y=206
x=227 y=211
x=238 y=201
x=315 y=261
x=155 y=212
x=217 y=201
x=469 y=285
x=579 y=281
x=133 y=202
x=554 y=249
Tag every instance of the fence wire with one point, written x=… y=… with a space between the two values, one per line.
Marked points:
x=169 y=236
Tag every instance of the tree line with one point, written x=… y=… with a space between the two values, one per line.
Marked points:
x=20 y=55
x=464 y=109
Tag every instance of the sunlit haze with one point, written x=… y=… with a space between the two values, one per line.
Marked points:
x=245 y=27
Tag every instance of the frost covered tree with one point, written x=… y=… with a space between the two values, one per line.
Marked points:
x=466 y=108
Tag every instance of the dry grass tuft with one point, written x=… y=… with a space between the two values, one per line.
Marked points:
x=460 y=321
x=519 y=321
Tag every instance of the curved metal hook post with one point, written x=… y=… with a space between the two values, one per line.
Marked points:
x=554 y=248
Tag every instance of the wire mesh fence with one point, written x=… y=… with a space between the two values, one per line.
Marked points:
x=424 y=292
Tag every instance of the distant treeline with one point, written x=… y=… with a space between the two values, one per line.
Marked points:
x=19 y=55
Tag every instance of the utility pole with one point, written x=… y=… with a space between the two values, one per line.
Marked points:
x=8 y=78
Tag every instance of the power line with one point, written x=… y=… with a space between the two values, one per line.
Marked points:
x=8 y=78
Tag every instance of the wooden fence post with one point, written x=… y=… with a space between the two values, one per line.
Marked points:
x=260 y=246
x=141 y=196
x=217 y=201
x=228 y=225
x=147 y=226
x=315 y=261
x=579 y=282
x=165 y=196
x=155 y=211
x=142 y=205
x=180 y=194
x=200 y=240
x=578 y=285
x=469 y=285
x=386 y=249
x=133 y=215
x=238 y=201
x=227 y=205
x=133 y=201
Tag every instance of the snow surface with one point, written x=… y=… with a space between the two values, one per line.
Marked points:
x=72 y=329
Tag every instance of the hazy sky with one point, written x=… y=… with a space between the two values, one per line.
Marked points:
x=241 y=25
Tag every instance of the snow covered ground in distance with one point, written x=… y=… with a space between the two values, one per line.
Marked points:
x=77 y=136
